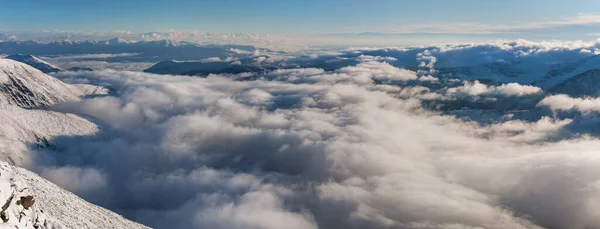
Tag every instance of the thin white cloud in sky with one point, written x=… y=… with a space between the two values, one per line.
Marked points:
x=355 y=35
x=483 y=28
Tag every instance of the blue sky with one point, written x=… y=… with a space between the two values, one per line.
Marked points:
x=376 y=19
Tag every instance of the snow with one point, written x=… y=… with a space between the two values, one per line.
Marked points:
x=25 y=86
x=15 y=215
x=35 y=62
x=23 y=127
x=21 y=88
x=117 y=40
x=580 y=68
x=70 y=210
x=24 y=92
x=54 y=207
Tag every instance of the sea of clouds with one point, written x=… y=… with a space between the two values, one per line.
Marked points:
x=369 y=145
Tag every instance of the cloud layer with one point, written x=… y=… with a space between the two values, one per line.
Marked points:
x=367 y=145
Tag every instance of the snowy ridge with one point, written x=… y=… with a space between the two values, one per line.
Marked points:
x=35 y=62
x=27 y=87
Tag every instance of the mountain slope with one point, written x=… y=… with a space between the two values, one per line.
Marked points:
x=582 y=85
x=68 y=209
x=27 y=87
x=53 y=207
x=20 y=207
x=23 y=127
x=35 y=62
x=22 y=89
x=577 y=70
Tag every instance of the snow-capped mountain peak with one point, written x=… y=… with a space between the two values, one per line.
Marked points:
x=117 y=40
x=92 y=42
x=63 y=42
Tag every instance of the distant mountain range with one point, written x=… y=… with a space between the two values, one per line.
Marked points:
x=249 y=64
x=202 y=68
x=145 y=50
x=575 y=76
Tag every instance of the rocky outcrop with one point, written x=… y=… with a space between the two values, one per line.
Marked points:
x=19 y=209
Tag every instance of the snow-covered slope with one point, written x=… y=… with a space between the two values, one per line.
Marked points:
x=20 y=207
x=34 y=62
x=22 y=126
x=579 y=69
x=544 y=75
x=582 y=85
x=53 y=207
x=21 y=88
x=27 y=87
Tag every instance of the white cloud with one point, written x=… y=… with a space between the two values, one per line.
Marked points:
x=565 y=103
x=428 y=78
x=346 y=148
x=255 y=210
x=367 y=58
x=363 y=73
x=96 y=62
x=477 y=89
x=211 y=59
x=481 y=28
x=76 y=180
x=379 y=71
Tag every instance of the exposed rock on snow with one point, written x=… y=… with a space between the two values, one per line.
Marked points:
x=18 y=209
